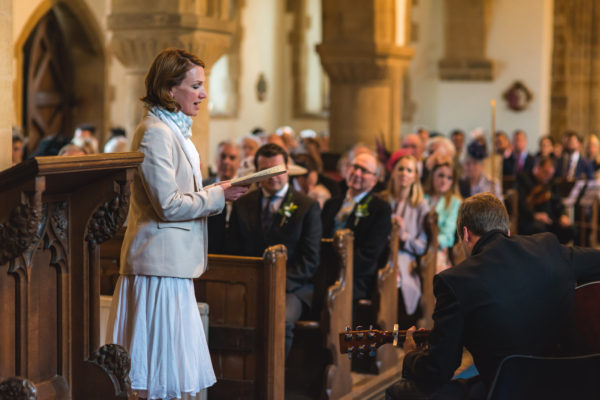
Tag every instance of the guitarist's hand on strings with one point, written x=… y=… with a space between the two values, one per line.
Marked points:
x=409 y=343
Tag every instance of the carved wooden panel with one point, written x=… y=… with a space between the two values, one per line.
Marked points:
x=48 y=90
x=57 y=210
x=246 y=331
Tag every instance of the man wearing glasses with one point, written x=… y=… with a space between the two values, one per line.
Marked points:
x=368 y=216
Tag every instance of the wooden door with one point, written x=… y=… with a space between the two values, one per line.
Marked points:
x=48 y=99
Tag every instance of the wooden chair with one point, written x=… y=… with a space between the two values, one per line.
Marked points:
x=315 y=367
x=529 y=377
x=428 y=265
x=247 y=323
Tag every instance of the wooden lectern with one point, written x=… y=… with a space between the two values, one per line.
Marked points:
x=54 y=212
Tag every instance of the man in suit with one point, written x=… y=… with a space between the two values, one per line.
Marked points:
x=572 y=165
x=277 y=214
x=512 y=295
x=365 y=214
x=519 y=161
x=228 y=163
x=540 y=206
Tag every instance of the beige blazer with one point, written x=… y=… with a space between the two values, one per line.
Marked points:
x=166 y=231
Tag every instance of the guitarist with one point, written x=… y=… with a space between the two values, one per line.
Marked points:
x=512 y=295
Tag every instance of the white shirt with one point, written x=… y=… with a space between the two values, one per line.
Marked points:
x=276 y=202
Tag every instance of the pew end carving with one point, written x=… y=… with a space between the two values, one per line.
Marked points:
x=57 y=210
x=314 y=366
x=247 y=323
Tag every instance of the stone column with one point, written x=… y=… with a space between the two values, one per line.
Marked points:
x=365 y=55
x=6 y=81
x=466 y=35
x=142 y=29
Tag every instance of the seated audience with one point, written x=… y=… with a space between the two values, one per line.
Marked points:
x=308 y=182
x=17 y=146
x=441 y=194
x=409 y=208
x=540 y=207
x=117 y=143
x=572 y=165
x=592 y=154
x=85 y=137
x=512 y=295
x=546 y=144
x=474 y=180
x=520 y=160
x=415 y=145
x=228 y=162
x=367 y=216
x=458 y=139
x=71 y=149
x=250 y=145
x=503 y=146
x=277 y=214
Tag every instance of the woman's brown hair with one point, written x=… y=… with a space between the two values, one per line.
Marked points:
x=453 y=191
x=167 y=70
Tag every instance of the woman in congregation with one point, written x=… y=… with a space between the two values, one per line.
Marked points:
x=409 y=208
x=475 y=180
x=441 y=194
x=154 y=313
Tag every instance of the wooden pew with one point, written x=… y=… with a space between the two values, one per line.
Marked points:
x=315 y=369
x=55 y=214
x=428 y=265
x=381 y=310
x=246 y=337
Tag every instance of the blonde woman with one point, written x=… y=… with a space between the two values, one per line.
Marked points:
x=405 y=195
x=441 y=194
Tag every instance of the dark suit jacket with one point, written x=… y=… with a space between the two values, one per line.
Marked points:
x=216 y=225
x=583 y=168
x=370 y=238
x=301 y=235
x=513 y=295
x=509 y=164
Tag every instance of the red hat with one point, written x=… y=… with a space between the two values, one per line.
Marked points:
x=398 y=154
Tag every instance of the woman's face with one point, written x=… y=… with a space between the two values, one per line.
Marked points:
x=545 y=147
x=404 y=173
x=442 y=179
x=190 y=92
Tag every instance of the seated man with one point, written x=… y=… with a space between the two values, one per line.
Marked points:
x=572 y=165
x=367 y=215
x=520 y=161
x=512 y=295
x=228 y=163
x=277 y=214
x=540 y=206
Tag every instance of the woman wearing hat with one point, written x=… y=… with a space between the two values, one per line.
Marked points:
x=475 y=180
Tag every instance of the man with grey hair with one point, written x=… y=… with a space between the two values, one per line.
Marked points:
x=228 y=163
x=367 y=215
x=512 y=295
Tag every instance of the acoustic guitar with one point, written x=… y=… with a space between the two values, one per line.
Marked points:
x=361 y=343
x=586 y=315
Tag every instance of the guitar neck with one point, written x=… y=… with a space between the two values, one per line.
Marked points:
x=367 y=341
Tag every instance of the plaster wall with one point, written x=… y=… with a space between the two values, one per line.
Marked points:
x=520 y=43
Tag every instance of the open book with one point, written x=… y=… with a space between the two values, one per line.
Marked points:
x=255 y=177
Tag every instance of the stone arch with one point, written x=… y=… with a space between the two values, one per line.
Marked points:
x=86 y=53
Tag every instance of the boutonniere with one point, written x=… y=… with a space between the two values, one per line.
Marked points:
x=362 y=210
x=287 y=209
